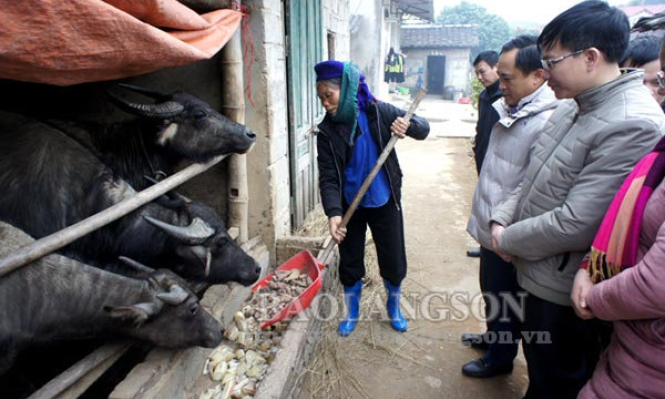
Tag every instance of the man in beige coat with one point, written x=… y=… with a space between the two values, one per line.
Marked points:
x=526 y=105
x=585 y=151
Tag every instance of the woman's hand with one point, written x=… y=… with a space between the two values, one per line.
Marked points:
x=399 y=127
x=337 y=233
x=581 y=287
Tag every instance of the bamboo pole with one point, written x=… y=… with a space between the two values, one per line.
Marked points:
x=233 y=107
x=46 y=245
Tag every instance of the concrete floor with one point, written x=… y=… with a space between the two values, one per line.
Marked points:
x=424 y=362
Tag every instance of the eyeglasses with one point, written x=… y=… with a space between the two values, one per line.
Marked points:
x=660 y=79
x=549 y=64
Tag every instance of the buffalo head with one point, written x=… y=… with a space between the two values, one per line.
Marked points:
x=188 y=126
x=207 y=251
x=169 y=316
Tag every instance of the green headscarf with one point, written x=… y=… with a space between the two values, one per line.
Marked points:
x=347 y=108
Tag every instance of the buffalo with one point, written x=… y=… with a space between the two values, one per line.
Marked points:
x=57 y=298
x=57 y=173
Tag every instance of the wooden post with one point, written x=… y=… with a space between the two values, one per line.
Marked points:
x=233 y=107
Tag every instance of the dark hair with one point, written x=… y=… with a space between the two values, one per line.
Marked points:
x=591 y=23
x=642 y=50
x=528 y=55
x=335 y=82
x=491 y=57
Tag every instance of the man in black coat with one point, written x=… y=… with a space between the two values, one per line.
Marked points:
x=485 y=68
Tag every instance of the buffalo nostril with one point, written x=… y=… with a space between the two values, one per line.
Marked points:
x=257 y=270
x=250 y=134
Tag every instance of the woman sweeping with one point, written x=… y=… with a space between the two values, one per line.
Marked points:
x=352 y=135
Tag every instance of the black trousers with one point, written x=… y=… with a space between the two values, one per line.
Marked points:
x=561 y=365
x=387 y=228
x=498 y=282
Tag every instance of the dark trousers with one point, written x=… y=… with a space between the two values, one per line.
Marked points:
x=498 y=282
x=561 y=365
x=387 y=228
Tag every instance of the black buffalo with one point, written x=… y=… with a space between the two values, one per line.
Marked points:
x=58 y=298
x=56 y=173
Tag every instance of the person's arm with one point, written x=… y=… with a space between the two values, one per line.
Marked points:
x=418 y=126
x=329 y=185
x=635 y=293
x=572 y=226
x=504 y=212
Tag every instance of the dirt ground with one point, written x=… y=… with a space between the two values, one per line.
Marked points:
x=441 y=287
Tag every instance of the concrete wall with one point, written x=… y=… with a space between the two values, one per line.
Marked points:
x=458 y=67
x=336 y=14
x=268 y=163
x=366 y=34
x=372 y=35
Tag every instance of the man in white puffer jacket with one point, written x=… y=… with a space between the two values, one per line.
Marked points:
x=526 y=105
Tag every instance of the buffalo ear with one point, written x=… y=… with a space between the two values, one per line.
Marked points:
x=137 y=313
x=175 y=296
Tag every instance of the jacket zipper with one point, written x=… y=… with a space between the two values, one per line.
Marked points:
x=566 y=258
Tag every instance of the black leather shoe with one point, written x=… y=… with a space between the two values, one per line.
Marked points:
x=475 y=341
x=473 y=253
x=480 y=368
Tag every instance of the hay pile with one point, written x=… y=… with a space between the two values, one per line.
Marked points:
x=329 y=374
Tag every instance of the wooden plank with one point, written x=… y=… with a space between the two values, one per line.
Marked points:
x=76 y=379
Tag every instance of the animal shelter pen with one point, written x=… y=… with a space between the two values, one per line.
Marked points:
x=75 y=380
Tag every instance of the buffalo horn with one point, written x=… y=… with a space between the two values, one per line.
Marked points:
x=208 y=261
x=175 y=296
x=157 y=95
x=160 y=111
x=138 y=266
x=195 y=234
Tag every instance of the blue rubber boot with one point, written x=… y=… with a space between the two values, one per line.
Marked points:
x=352 y=300
x=396 y=319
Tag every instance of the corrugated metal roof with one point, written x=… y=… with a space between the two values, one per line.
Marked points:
x=423 y=9
x=439 y=36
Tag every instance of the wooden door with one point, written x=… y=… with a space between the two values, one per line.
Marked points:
x=436 y=74
x=305 y=48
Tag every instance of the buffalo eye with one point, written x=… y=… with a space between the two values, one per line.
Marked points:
x=199 y=115
x=194 y=309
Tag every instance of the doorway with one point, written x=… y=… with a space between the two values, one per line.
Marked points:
x=436 y=73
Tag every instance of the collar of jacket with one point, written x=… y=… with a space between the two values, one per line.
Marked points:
x=593 y=98
x=492 y=92
x=342 y=129
x=540 y=100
